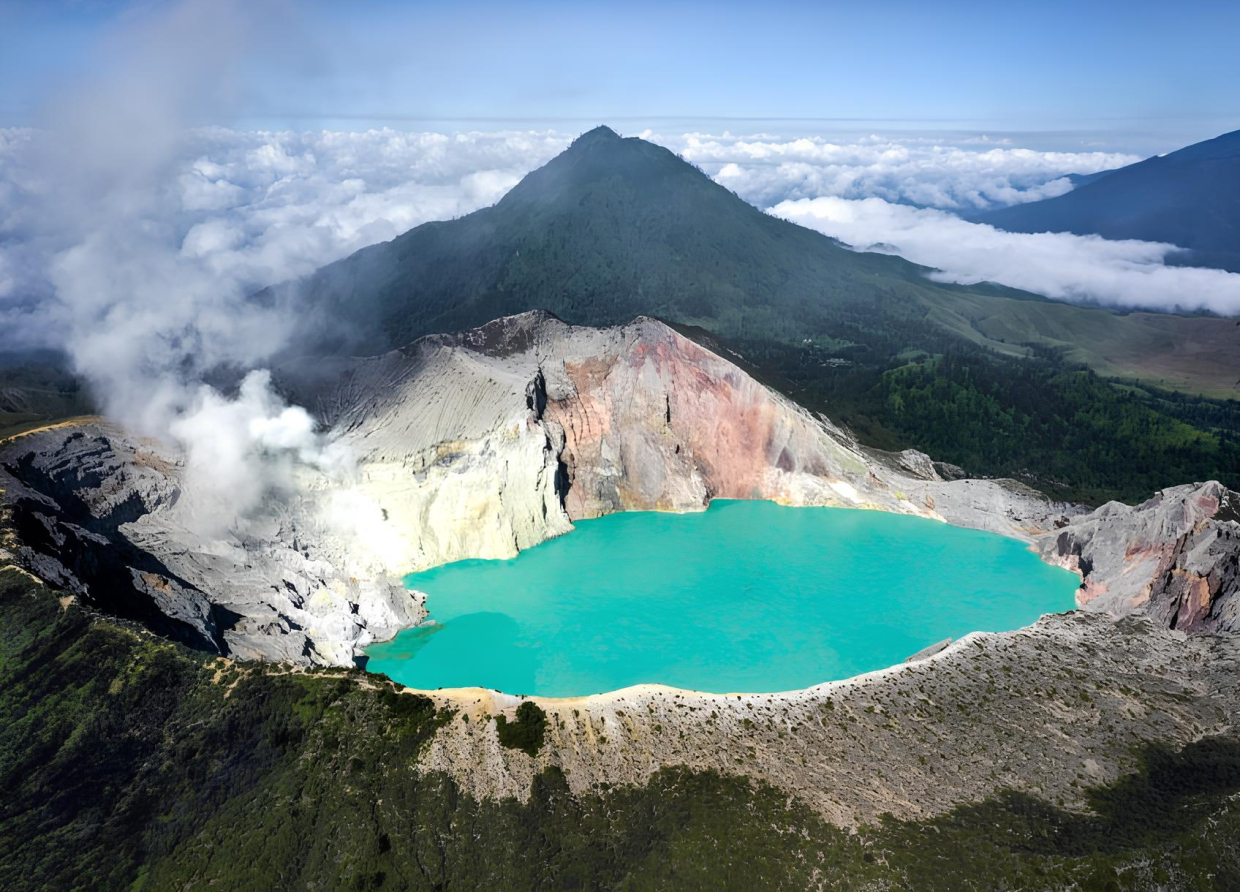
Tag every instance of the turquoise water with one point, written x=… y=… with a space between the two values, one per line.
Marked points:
x=746 y=596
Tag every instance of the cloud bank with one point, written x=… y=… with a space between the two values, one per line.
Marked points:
x=249 y=209
x=1060 y=265
x=131 y=239
x=228 y=212
x=965 y=176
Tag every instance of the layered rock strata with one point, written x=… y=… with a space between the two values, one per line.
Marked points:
x=1175 y=557
x=487 y=442
x=483 y=443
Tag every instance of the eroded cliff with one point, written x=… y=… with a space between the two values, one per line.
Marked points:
x=1175 y=557
x=486 y=442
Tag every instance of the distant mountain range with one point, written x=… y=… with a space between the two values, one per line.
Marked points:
x=1189 y=198
x=613 y=228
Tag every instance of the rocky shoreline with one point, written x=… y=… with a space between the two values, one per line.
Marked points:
x=487 y=442
x=1050 y=710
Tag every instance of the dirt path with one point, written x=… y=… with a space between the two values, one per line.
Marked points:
x=51 y=426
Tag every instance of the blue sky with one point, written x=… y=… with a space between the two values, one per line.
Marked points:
x=123 y=225
x=1134 y=76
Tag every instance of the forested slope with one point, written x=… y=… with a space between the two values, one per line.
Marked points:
x=128 y=763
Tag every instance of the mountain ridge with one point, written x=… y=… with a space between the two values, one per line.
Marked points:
x=1189 y=198
x=616 y=227
x=572 y=236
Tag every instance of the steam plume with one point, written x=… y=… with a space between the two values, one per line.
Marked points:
x=145 y=320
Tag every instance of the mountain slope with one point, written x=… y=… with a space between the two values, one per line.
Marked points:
x=1189 y=198
x=36 y=390
x=131 y=763
x=615 y=228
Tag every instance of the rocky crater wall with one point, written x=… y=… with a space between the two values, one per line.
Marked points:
x=486 y=442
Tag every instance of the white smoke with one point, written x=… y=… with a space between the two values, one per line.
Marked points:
x=146 y=314
x=233 y=443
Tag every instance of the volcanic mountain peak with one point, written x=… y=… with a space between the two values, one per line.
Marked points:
x=601 y=132
x=599 y=155
x=617 y=227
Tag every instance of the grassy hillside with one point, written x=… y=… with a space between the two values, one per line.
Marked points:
x=36 y=391
x=130 y=763
x=1197 y=355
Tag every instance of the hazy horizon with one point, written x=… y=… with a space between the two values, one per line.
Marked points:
x=1104 y=75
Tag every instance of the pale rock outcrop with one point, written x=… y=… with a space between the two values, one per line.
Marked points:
x=1006 y=507
x=917 y=464
x=102 y=515
x=483 y=443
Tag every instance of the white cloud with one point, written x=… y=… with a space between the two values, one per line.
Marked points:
x=290 y=202
x=141 y=260
x=1060 y=265
x=961 y=176
x=254 y=208
x=264 y=207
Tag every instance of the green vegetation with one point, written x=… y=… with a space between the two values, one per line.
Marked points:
x=130 y=763
x=1055 y=425
x=1066 y=431
x=125 y=759
x=615 y=228
x=35 y=392
x=1136 y=836
x=527 y=732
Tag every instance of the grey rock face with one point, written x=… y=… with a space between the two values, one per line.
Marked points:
x=1175 y=557
x=97 y=512
x=917 y=464
x=927 y=652
x=487 y=442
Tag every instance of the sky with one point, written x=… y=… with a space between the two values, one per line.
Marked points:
x=1138 y=76
x=161 y=160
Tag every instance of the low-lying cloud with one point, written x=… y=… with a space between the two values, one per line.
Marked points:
x=245 y=209
x=1060 y=265
x=967 y=175
x=228 y=212
x=132 y=240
